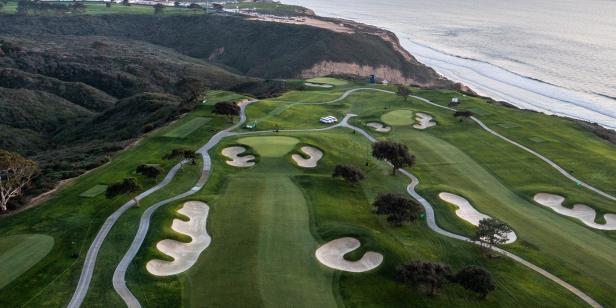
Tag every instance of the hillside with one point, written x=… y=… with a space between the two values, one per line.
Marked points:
x=74 y=89
x=253 y=48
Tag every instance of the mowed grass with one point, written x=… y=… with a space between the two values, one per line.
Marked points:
x=94 y=191
x=268 y=261
x=216 y=96
x=328 y=80
x=18 y=253
x=270 y=146
x=187 y=128
x=398 y=118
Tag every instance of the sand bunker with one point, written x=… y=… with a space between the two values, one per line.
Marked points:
x=467 y=212
x=379 y=127
x=332 y=254
x=238 y=161
x=580 y=211
x=423 y=121
x=184 y=254
x=317 y=85
x=314 y=153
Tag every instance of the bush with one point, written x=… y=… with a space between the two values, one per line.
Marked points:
x=349 y=173
x=476 y=279
x=128 y=185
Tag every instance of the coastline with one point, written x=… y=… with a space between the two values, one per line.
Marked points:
x=497 y=83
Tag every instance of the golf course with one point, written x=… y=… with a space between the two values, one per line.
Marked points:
x=258 y=220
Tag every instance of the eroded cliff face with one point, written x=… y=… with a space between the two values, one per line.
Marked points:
x=382 y=72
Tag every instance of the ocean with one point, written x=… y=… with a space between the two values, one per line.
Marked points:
x=554 y=56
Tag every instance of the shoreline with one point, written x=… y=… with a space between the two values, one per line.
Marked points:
x=497 y=83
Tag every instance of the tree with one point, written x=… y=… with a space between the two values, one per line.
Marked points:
x=158 y=8
x=128 y=185
x=463 y=114
x=429 y=275
x=150 y=171
x=16 y=172
x=195 y=7
x=125 y=3
x=399 y=208
x=176 y=4
x=228 y=109
x=107 y=4
x=190 y=154
x=77 y=8
x=476 y=279
x=349 y=173
x=2 y=3
x=395 y=153
x=492 y=232
x=403 y=91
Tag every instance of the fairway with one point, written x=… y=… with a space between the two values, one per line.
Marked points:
x=187 y=128
x=328 y=80
x=217 y=96
x=94 y=191
x=398 y=118
x=270 y=146
x=18 y=253
x=269 y=259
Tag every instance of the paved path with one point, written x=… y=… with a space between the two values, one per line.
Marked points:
x=431 y=221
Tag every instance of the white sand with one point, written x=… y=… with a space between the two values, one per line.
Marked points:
x=580 y=211
x=379 y=127
x=237 y=161
x=423 y=121
x=467 y=212
x=316 y=85
x=184 y=254
x=314 y=156
x=331 y=254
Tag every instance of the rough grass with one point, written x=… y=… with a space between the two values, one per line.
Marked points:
x=18 y=253
x=187 y=128
x=94 y=191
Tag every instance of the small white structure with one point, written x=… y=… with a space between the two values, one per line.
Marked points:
x=328 y=120
x=385 y=82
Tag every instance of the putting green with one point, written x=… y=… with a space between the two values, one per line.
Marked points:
x=270 y=146
x=398 y=118
x=328 y=80
x=94 y=191
x=18 y=253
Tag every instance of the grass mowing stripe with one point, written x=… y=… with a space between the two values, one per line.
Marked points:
x=20 y=252
x=94 y=191
x=187 y=128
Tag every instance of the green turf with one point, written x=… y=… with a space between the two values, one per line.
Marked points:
x=328 y=80
x=18 y=253
x=508 y=125
x=270 y=146
x=537 y=139
x=187 y=128
x=479 y=111
x=216 y=96
x=94 y=191
x=398 y=118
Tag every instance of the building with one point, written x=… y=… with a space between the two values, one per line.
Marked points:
x=328 y=120
x=454 y=101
